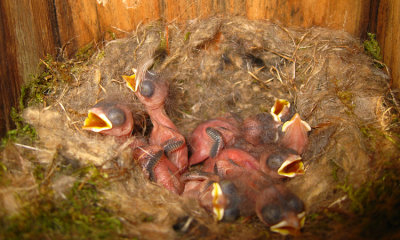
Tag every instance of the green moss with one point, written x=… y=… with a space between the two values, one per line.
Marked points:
x=371 y=46
x=4 y=181
x=23 y=131
x=146 y=217
x=373 y=133
x=112 y=34
x=335 y=169
x=354 y=196
x=376 y=203
x=346 y=98
x=100 y=55
x=163 y=41
x=37 y=89
x=43 y=88
x=187 y=36
x=81 y=215
x=84 y=53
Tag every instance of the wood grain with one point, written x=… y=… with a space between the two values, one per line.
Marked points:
x=82 y=21
x=388 y=36
x=350 y=16
x=10 y=80
x=27 y=35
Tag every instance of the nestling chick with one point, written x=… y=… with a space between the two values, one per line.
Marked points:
x=229 y=160
x=280 y=162
x=152 y=91
x=295 y=134
x=219 y=197
x=158 y=168
x=272 y=202
x=261 y=129
x=110 y=119
x=210 y=137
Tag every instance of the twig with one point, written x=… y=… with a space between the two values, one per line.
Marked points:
x=253 y=75
x=279 y=54
x=288 y=33
x=298 y=45
x=139 y=44
x=169 y=60
x=278 y=76
x=256 y=78
x=62 y=107
x=31 y=148
x=394 y=99
x=188 y=115
x=119 y=29
x=102 y=88
x=339 y=200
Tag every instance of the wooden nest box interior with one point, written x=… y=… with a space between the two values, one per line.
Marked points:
x=335 y=62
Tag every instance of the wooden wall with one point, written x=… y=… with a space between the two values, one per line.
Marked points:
x=388 y=35
x=27 y=34
x=32 y=29
x=81 y=21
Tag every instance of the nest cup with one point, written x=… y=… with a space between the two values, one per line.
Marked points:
x=218 y=66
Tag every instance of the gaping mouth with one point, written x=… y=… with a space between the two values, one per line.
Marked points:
x=296 y=120
x=131 y=81
x=292 y=167
x=279 y=108
x=217 y=194
x=284 y=227
x=96 y=122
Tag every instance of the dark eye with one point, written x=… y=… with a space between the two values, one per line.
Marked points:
x=228 y=187
x=147 y=88
x=275 y=161
x=231 y=214
x=232 y=211
x=230 y=190
x=271 y=214
x=116 y=116
x=294 y=203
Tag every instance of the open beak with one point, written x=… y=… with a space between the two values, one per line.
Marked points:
x=131 y=81
x=290 y=225
x=280 y=108
x=291 y=167
x=217 y=201
x=96 y=121
x=297 y=123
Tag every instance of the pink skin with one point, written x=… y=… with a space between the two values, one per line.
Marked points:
x=201 y=143
x=192 y=189
x=198 y=186
x=164 y=129
x=260 y=129
x=254 y=150
x=253 y=131
x=165 y=172
x=157 y=100
x=261 y=191
x=283 y=153
x=122 y=132
x=194 y=183
x=274 y=194
x=296 y=135
x=230 y=160
x=162 y=133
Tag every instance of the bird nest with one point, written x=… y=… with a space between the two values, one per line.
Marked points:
x=214 y=66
